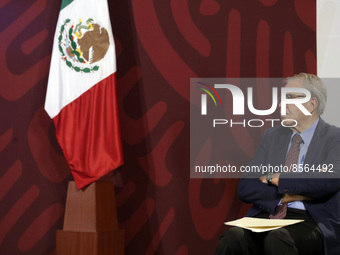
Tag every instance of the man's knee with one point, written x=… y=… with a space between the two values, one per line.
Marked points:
x=230 y=241
x=279 y=240
x=234 y=234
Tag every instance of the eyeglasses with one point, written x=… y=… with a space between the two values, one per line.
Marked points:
x=292 y=96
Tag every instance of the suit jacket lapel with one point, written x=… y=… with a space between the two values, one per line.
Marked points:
x=282 y=145
x=313 y=146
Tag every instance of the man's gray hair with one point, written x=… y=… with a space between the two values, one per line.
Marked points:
x=315 y=86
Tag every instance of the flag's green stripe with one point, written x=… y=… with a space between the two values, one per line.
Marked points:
x=65 y=3
x=209 y=95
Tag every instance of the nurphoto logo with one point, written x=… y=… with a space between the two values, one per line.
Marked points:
x=293 y=96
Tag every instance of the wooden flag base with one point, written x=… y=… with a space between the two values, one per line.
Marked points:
x=90 y=223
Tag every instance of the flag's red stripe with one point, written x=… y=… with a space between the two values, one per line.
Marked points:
x=88 y=132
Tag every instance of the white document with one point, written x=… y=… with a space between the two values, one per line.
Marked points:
x=261 y=225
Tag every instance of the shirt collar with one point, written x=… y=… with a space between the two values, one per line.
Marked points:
x=307 y=135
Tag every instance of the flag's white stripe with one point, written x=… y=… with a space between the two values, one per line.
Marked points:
x=64 y=84
x=328 y=38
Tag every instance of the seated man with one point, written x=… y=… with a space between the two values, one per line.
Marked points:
x=311 y=142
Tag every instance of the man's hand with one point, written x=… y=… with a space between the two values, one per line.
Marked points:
x=293 y=197
x=263 y=179
x=275 y=180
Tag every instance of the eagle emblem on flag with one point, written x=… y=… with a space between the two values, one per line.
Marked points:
x=81 y=45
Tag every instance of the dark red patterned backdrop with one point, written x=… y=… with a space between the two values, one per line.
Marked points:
x=160 y=45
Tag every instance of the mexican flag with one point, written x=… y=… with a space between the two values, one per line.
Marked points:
x=81 y=92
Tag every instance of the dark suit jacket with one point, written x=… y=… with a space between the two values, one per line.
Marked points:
x=323 y=187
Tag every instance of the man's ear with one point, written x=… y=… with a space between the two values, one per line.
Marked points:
x=313 y=104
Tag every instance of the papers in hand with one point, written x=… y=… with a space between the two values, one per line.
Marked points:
x=261 y=225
